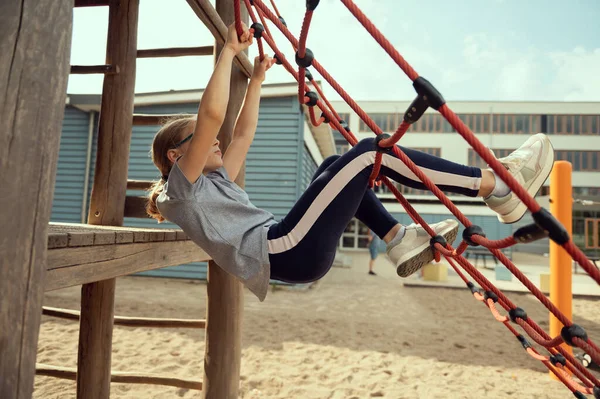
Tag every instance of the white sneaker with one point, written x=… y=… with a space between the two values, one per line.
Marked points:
x=530 y=165
x=414 y=251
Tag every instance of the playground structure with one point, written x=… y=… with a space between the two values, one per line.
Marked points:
x=42 y=256
x=560 y=361
x=39 y=256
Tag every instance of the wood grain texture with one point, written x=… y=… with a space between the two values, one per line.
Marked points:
x=225 y=292
x=175 y=52
x=120 y=377
x=35 y=46
x=68 y=267
x=216 y=25
x=107 y=201
x=129 y=321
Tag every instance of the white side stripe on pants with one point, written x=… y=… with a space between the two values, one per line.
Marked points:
x=345 y=175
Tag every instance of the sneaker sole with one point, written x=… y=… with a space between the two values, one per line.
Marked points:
x=420 y=256
x=517 y=214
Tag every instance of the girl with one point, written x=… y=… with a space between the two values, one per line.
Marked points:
x=198 y=193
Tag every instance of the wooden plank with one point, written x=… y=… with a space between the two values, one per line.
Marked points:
x=144 y=185
x=90 y=3
x=35 y=43
x=107 y=201
x=135 y=207
x=175 y=52
x=94 y=69
x=212 y=20
x=225 y=293
x=69 y=373
x=81 y=265
x=150 y=119
x=129 y=321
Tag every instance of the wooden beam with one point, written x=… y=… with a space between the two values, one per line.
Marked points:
x=150 y=119
x=81 y=265
x=225 y=293
x=107 y=201
x=175 y=52
x=91 y=69
x=68 y=373
x=135 y=207
x=138 y=185
x=90 y=3
x=129 y=321
x=211 y=19
x=35 y=44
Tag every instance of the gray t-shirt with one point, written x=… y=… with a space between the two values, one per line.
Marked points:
x=218 y=216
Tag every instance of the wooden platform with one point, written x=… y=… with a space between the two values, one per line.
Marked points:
x=83 y=253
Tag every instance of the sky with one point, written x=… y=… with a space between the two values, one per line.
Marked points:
x=471 y=50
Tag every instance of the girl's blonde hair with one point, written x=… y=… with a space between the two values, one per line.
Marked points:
x=165 y=139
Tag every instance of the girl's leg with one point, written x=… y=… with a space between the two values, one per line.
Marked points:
x=303 y=245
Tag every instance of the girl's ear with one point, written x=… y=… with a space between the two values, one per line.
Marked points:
x=173 y=155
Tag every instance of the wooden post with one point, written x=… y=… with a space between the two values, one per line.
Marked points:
x=35 y=43
x=561 y=206
x=108 y=196
x=225 y=293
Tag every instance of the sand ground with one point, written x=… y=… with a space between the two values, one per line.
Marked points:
x=350 y=336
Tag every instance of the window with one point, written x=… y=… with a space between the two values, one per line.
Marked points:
x=517 y=124
x=592 y=233
x=475 y=160
x=386 y=122
x=582 y=161
x=573 y=124
x=356 y=235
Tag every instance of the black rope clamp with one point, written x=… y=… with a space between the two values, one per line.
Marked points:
x=529 y=233
x=517 y=313
x=437 y=240
x=523 y=341
x=313 y=98
x=416 y=110
x=596 y=392
x=490 y=295
x=311 y=4
x=472 y=287
x=325 y=118
x=470 y=231
x=378 y=139
x=277 y=60
x=305 y=61
x=282 y=21
x=344 y=124
x=308 y=75
x=428 y=93
x=558 y=359
x=258 y=29
x=572 y=331
x=555 y=229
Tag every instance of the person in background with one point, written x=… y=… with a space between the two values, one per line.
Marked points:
x=373 y=250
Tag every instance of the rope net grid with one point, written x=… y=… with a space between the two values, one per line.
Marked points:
x=558 y=360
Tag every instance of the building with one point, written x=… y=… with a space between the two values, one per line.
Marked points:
x=280 y=163
x=288 y=148
x=574 y=128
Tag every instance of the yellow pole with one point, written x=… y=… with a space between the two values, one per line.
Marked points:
x=561 y=206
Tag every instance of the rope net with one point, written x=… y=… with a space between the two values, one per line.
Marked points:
x=558 y=360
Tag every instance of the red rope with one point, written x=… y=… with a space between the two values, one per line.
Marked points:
x=530 y=327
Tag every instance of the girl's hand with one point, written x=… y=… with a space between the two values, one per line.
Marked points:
x=261 y=67
x=237 y=45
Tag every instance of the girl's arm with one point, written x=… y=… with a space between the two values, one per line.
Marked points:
x=245 y=126
x=211 y=112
